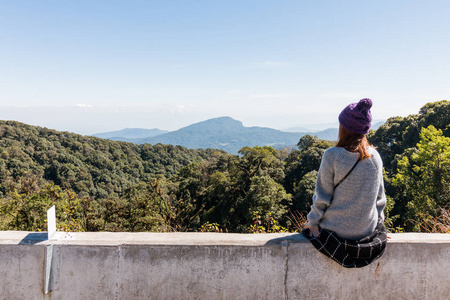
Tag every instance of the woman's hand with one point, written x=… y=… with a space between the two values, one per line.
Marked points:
x=313 y=230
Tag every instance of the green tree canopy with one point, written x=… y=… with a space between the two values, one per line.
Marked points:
x=423 y=176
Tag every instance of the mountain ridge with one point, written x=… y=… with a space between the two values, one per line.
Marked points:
x=228 y=134
x=130 y=133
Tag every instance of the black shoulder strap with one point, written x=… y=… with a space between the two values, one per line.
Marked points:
x=347 y=174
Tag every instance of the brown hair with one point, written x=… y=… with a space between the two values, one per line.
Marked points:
x=354 y=142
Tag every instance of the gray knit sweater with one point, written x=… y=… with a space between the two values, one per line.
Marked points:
x=357 y=203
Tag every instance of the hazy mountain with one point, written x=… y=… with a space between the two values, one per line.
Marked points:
x=299 y=129
x=312 y=127
x=325 y=126
x=330 y=134
x=230 y=135
x=377 y=124
x=130 y=133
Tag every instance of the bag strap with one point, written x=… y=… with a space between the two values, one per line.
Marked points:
x=340 y=181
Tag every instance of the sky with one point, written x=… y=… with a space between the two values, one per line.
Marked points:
x=91 y=66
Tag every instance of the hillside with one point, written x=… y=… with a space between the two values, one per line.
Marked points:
x=116 y=186
x=87 y=165
x=376 y=123
x=130 y=133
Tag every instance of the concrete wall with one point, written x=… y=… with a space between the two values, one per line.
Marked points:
x=214 y=266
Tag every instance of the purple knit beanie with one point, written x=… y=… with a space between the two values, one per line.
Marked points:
x=356 y=117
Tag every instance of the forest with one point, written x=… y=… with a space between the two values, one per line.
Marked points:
x=104 y=185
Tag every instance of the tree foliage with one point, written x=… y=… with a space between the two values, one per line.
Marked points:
x=423 y=177
x=411 y=181
x=103 y=185
x=301 y=170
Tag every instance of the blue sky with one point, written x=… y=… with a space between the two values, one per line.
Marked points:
x=94 y=66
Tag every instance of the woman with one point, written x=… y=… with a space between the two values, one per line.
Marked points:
x=349 y=198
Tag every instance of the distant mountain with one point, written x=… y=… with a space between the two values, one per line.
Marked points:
x=299 y=129
x=230 y=135
x=377 y=124
x=330 y=134
x=312 y=127
x=325 y=126
x=130 y=133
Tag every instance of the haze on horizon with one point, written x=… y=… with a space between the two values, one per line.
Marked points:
x=97 y=66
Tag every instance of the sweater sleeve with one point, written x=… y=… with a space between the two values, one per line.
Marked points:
x=381 y=197
x=324 y=191
x=381 y=200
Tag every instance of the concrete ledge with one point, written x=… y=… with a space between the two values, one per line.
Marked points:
x=215 y=266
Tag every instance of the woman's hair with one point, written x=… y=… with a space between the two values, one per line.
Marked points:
x=353 y=142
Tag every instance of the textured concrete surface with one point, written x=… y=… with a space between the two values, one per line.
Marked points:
x=21 y=271
x=405 y=271
x=215 y=266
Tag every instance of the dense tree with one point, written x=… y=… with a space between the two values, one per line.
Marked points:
x=301 y=170
x=228 y=189
x=25 y=208
x=423 y=178
x=399 y=134
x=303 y=192
x=116 y=186
x=87 y=165
x=389 y=139
x=397 y=141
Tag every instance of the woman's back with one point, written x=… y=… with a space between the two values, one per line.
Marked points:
x=346 y=218
x=358 y=202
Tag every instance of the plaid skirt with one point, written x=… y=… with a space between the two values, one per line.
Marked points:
x=350 y=253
